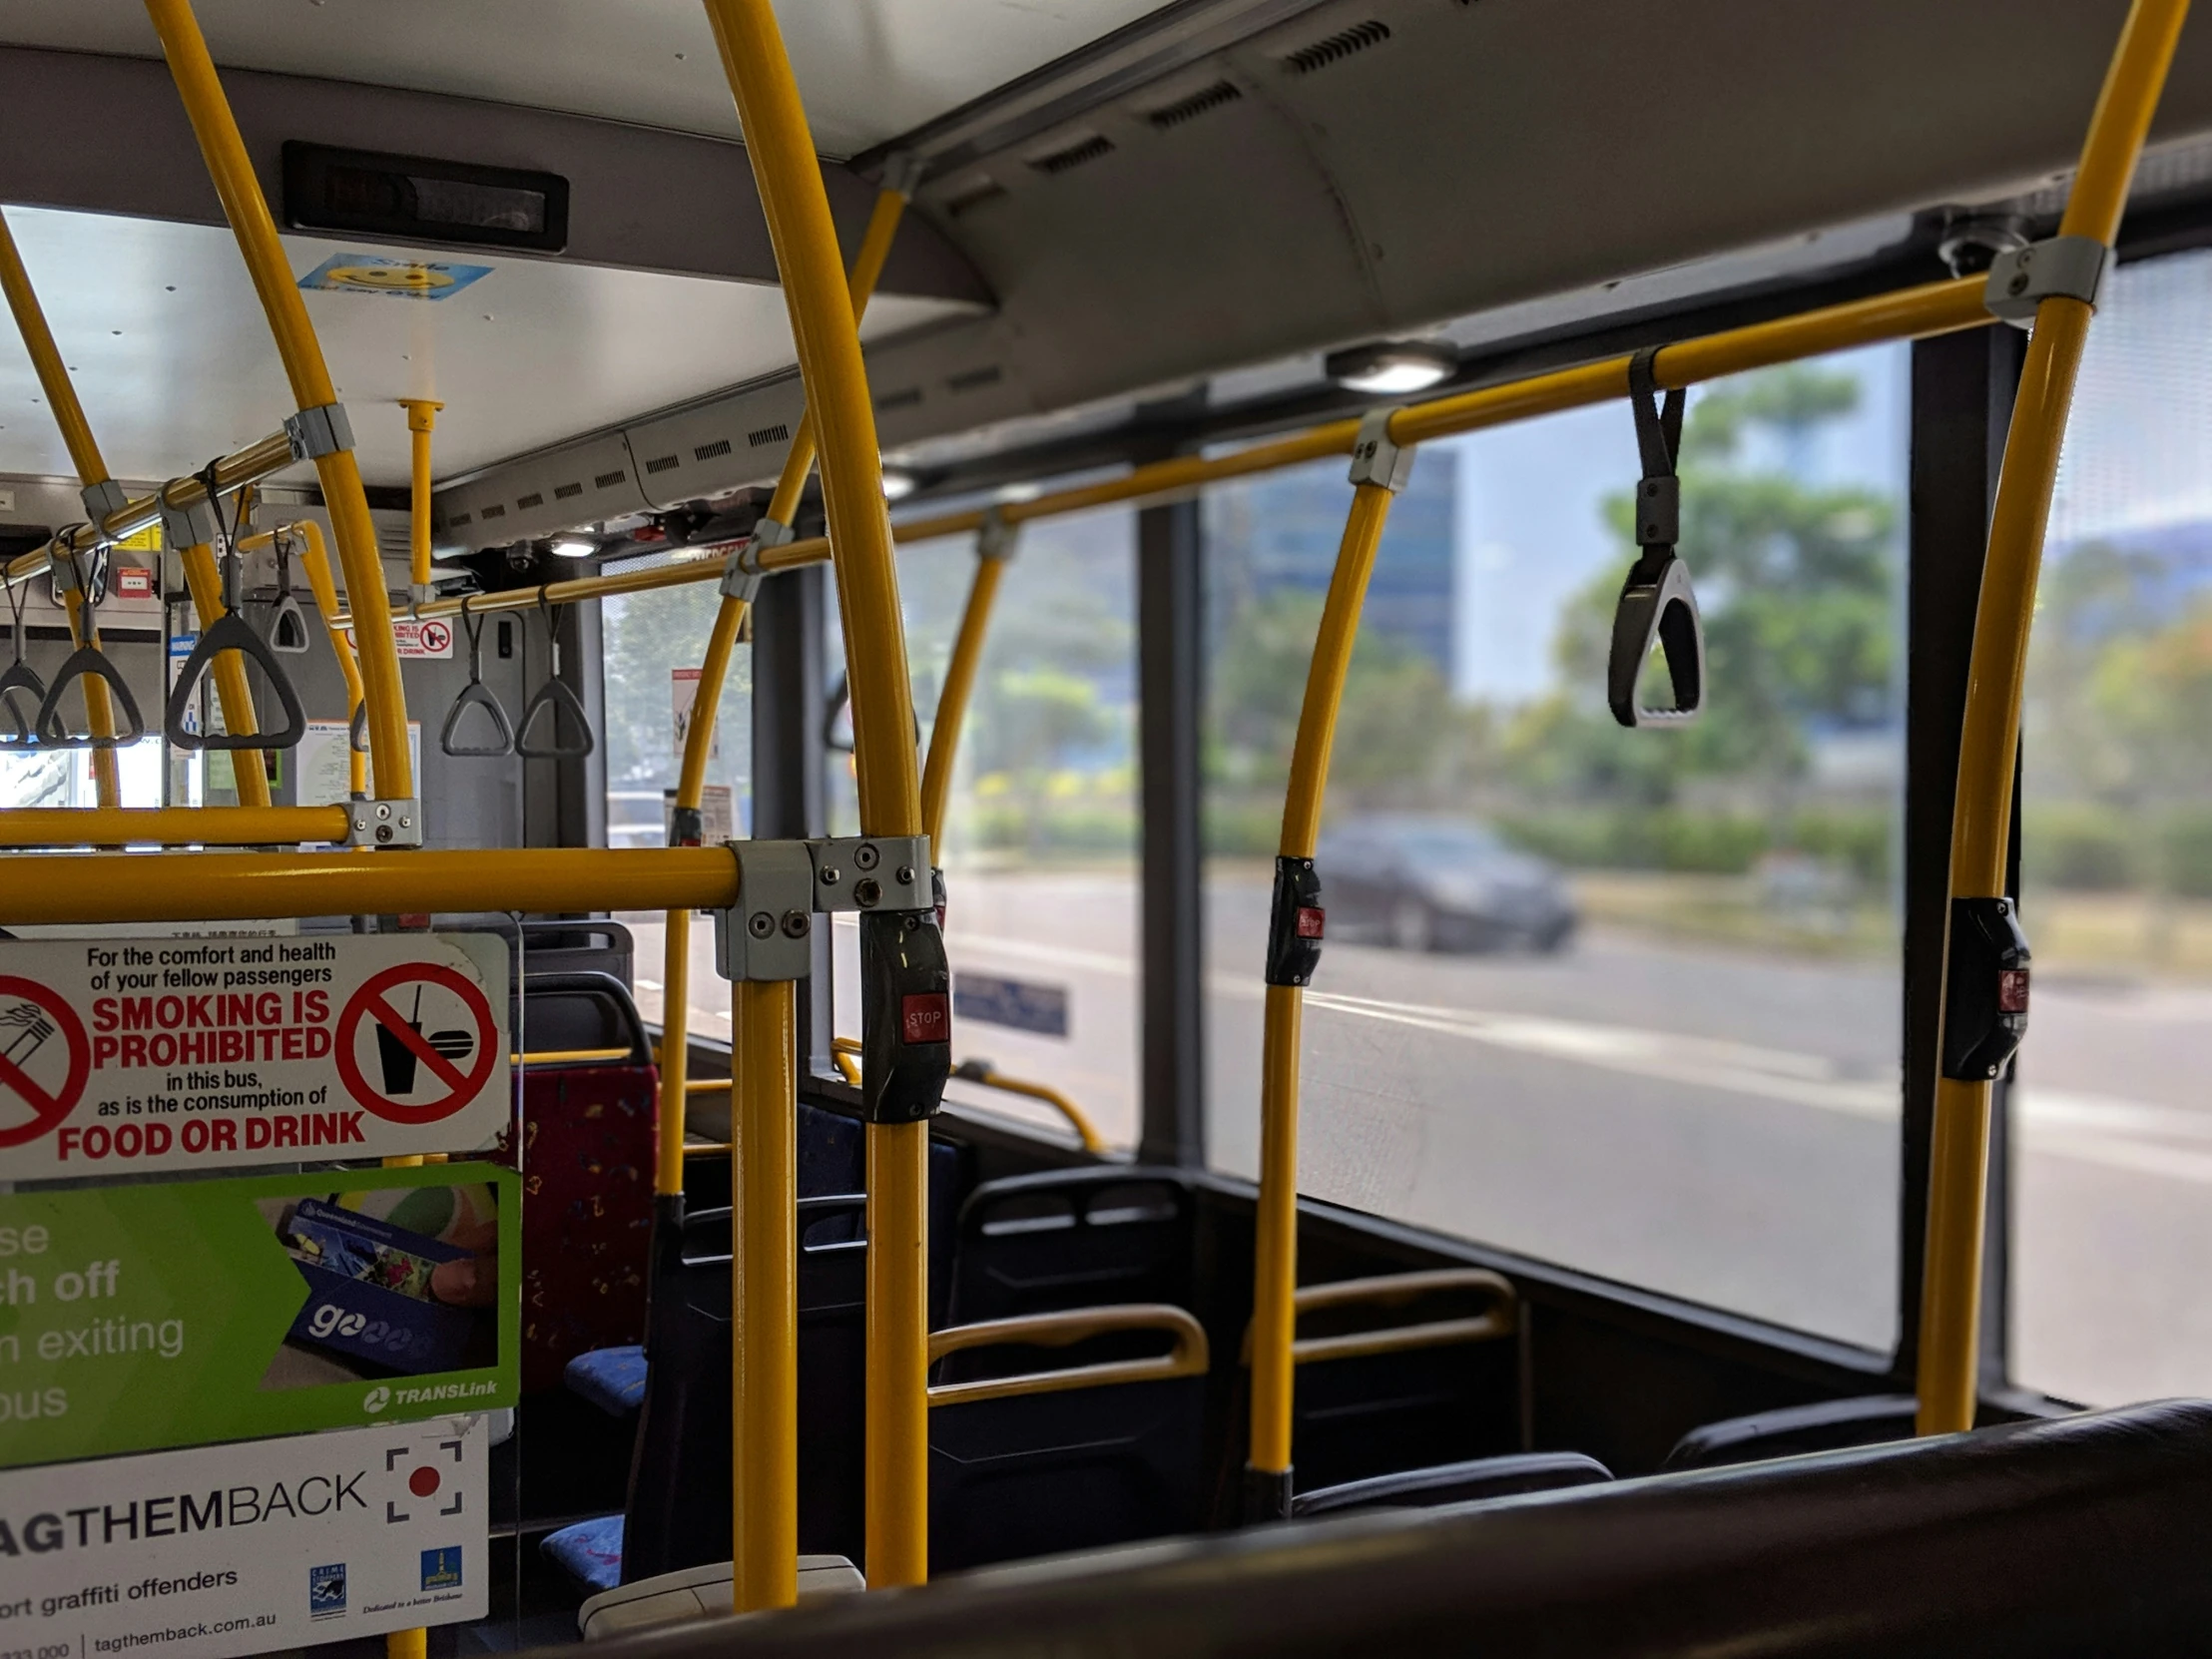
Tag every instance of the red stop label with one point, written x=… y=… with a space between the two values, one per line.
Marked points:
x=2012 y=992
x=1310 y=920
x=924 y=1018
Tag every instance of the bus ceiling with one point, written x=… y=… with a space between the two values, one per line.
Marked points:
x=1105 y=196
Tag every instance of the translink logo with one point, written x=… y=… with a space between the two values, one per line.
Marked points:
x=376 y=1399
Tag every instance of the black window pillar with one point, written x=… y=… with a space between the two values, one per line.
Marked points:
x=1170 y=598
x=1962 y=390
x=790 y=705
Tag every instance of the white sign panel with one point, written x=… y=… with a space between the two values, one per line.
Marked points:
x=323 y=763
x=682 y=688
x=131 y=1055
x=428 y=637
x=247 y=1548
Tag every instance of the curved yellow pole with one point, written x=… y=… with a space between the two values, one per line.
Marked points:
x=1275 y=1271
x=312 y=388
x=231 y=684
x=92 y=470
x=1982 y=816
x=960 y=685
x=422 y=420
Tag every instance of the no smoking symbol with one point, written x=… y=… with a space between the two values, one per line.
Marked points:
x=416 y=1076
x=44 y=1058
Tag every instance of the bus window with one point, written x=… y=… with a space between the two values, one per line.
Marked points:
x=2112 y=1147
x=1626 y=1000
x=651 y=640
x=1040 y=842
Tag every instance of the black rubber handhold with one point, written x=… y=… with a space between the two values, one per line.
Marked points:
x=554 y=697
x=20 y=681
x=477 y=694
x=232 y=632
x=1657 y=605
x=356 y=729
x=88 y=662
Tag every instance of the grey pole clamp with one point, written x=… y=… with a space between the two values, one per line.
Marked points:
x=192 y=524
x=101 y=502
x=2021 y=278
x=995 y=539
x=1376 y=457
x=742 y=574
x=902 y=172
x=319 y=431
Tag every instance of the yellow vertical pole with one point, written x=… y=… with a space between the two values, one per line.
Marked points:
x=992 y=548
x=764 y=1289
x=318 y=563
x=231 y=684
x=798 y=213
x=1982 y=817
x=92 y=474
x=1267 y=1476
x=312 y=390
x=422 y=419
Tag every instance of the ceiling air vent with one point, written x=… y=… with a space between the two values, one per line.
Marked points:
x=973 y=194
x=495 y=510
x=1345 y=43
x=903 y=399
x=458 y=519
x=1068 y=156
x=561 y=492
x=533 y=499
x=1197 y=104
x=707 y=452
x=974 y=379
x=662 y=463
x=608 y=480
x=763 y=437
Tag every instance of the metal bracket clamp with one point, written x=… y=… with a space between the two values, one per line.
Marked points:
x=995 y=539
x=1376 y=460
x=103 y=501
x=421 y=594
x=872 y=872
x=1985 y=981
x=2023 y=277
x=767 y=934
x=192 y=524
x=319 y=431
x=902 y=171
x=742 y=574
x=380 y=823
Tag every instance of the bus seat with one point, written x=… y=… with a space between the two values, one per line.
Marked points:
x=587 y=1164
x=694 y=1593
x=677 y=1513
x=611 y=1378
x=1826 y=1425
x=1104 y=1450
x=1396 y=1373
x=1469 y=1482
x=589 y=1551
x=1075 y=1238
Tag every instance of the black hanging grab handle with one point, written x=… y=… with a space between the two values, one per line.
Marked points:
x=553 y=699
x=20 y=679
x=86 y=663
x=477 y=694
x=288 y=623
x=230 y=632
x=1657 y=603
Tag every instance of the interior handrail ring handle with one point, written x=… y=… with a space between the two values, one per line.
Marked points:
x=88 y=661
x=553 y=699
x=20 y=679
x=1657 y=604
x=477 y=694
x=230 y=632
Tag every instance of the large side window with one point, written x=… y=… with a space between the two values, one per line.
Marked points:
x=1626 y=1001
x=653 y=645
x=1040 y=836
x=2112 y=1143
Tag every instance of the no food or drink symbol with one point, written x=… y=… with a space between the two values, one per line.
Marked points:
x=44 y=1060
x=416 y=1043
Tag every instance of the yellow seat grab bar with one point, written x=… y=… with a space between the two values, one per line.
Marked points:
x=1989 y=742
x=1187 y=1356
x=1501 y=1318
x=846 y=1051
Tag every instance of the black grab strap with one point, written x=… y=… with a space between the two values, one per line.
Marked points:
x=477 y=694
x=230 y=632
x=85 y=663
x=20 y=679
x=554 y=698
x=1657 y=604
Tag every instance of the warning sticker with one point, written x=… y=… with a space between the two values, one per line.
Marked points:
x=416 y=640
x=180 y=1053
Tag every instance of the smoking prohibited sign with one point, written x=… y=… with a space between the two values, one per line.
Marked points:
x=127 y=1056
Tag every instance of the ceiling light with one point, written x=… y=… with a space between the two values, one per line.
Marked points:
x=1390 y=366
x=573 y=547
x=898 y=485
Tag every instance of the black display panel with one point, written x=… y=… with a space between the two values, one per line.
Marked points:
x=423 y=200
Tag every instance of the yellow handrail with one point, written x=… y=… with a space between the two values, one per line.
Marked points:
x=789 y=178
x=422 y=420
x=1502 y=1319
x=312 y=392
x=1275 y=1267
x=991 y=552
x=763 y=1131
x=846 y=1051
x=570 y=1056
x=1188 y=1356
x=1981 y=814
x=237 y=886
x=58 y=827
x=92 y=470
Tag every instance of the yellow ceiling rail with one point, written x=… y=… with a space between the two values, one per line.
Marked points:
x=233 y=887
x=788 y=177
x=231 y=172
x=1950 y=1300
x=59 y=827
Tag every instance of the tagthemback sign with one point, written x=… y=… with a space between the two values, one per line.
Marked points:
x=132 y=1055
x=247 y=1548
